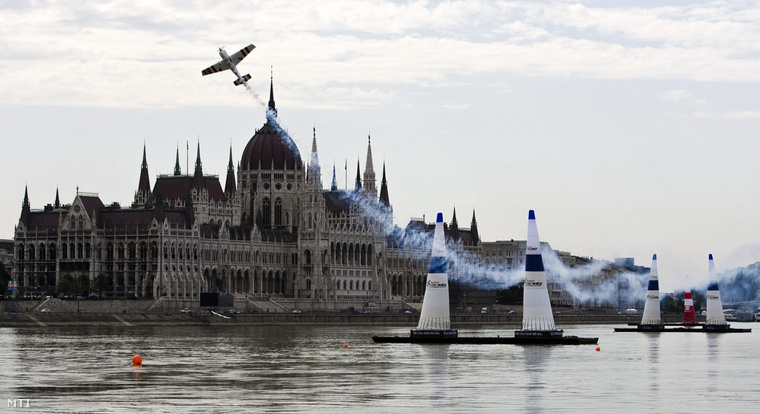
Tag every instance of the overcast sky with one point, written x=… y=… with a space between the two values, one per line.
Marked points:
x=629 y=130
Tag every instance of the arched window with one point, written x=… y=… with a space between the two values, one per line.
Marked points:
x=308 y=256
x=31 y=252
x=266 y=212
x=21 y=253
x=351 y=285
x=80 y=251
x=278 y=212
x=338 y=287
x=87 y=250
x=52 y=251
x=81 y=222
x=64 y=251
x=42 y=252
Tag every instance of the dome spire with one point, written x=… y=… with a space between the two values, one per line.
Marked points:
x=271 y=92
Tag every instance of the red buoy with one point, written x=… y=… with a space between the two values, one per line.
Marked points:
x=136 y=360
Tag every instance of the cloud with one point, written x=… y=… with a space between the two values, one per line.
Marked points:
x=116 y=53
x=739 y=115
x=676 y=95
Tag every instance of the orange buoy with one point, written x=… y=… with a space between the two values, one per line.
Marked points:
x=136 y=360
x=598 y=349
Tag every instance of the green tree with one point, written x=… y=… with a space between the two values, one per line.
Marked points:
x=66 y=287
x=100 y=283
x=5 y=277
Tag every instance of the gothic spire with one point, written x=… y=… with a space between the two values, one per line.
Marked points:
x=369 y=170
x=315 y=171
x=454 y=223
x=334 y=186
x=384 y=190
x=57 y=199
x=474 y=229
x=26 y=209
x=144 y=185
x=271 y=92
x=229 y=186
x=198 y=181
x=358 y=183
x=177 y=168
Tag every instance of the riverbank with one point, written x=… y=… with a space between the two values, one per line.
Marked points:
x=37 y=319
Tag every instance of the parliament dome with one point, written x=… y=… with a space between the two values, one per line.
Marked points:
x=271 y=148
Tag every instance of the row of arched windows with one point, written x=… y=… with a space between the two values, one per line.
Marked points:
x=351 y=254
x=349 y=285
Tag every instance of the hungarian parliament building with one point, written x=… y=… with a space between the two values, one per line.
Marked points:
x=272 y=233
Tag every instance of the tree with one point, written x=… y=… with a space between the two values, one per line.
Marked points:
x=100 y=283
x=66 y=286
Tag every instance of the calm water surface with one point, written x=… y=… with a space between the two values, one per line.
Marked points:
x=308 y=369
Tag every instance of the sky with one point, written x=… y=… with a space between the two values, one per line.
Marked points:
x=630 y=130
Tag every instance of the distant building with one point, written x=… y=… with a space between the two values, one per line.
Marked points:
x=269 y=232
x=272 y=231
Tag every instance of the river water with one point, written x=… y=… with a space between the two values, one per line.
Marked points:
x=332 y=369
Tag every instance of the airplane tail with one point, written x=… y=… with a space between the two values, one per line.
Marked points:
x=242 y=80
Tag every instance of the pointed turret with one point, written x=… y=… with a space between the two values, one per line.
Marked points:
x=334 y=185
x=26 y=208
x=454 y=226
x=229 y=185
x=57 y=203
x=652 y=305
x=369 y=171
x=715 y=315
x=177 y=168
x=474 y=229
x=435 y=305
x=384 y=190
x=537 y=309
x=358 y=182
x=144 y=186
x=198 y=181
x=314 y=172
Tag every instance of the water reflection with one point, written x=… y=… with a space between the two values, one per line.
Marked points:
x=307 y=369
x=437 y=366
x=654 y=360
x=713 y=361
x=535 y=359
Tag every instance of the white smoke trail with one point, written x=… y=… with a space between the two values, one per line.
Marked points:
x=468 y=268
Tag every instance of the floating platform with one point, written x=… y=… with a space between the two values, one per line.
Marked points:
x=452 y=337
x=684 y=328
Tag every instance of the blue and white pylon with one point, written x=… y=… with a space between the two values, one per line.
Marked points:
x=537 y=309
x=652 y=305
x=435 y=304
x=715 y=315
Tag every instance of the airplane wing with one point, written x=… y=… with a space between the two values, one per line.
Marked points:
x=220 y=66
x=241 y=54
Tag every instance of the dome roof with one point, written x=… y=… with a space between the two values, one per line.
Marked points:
x=271 y=148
